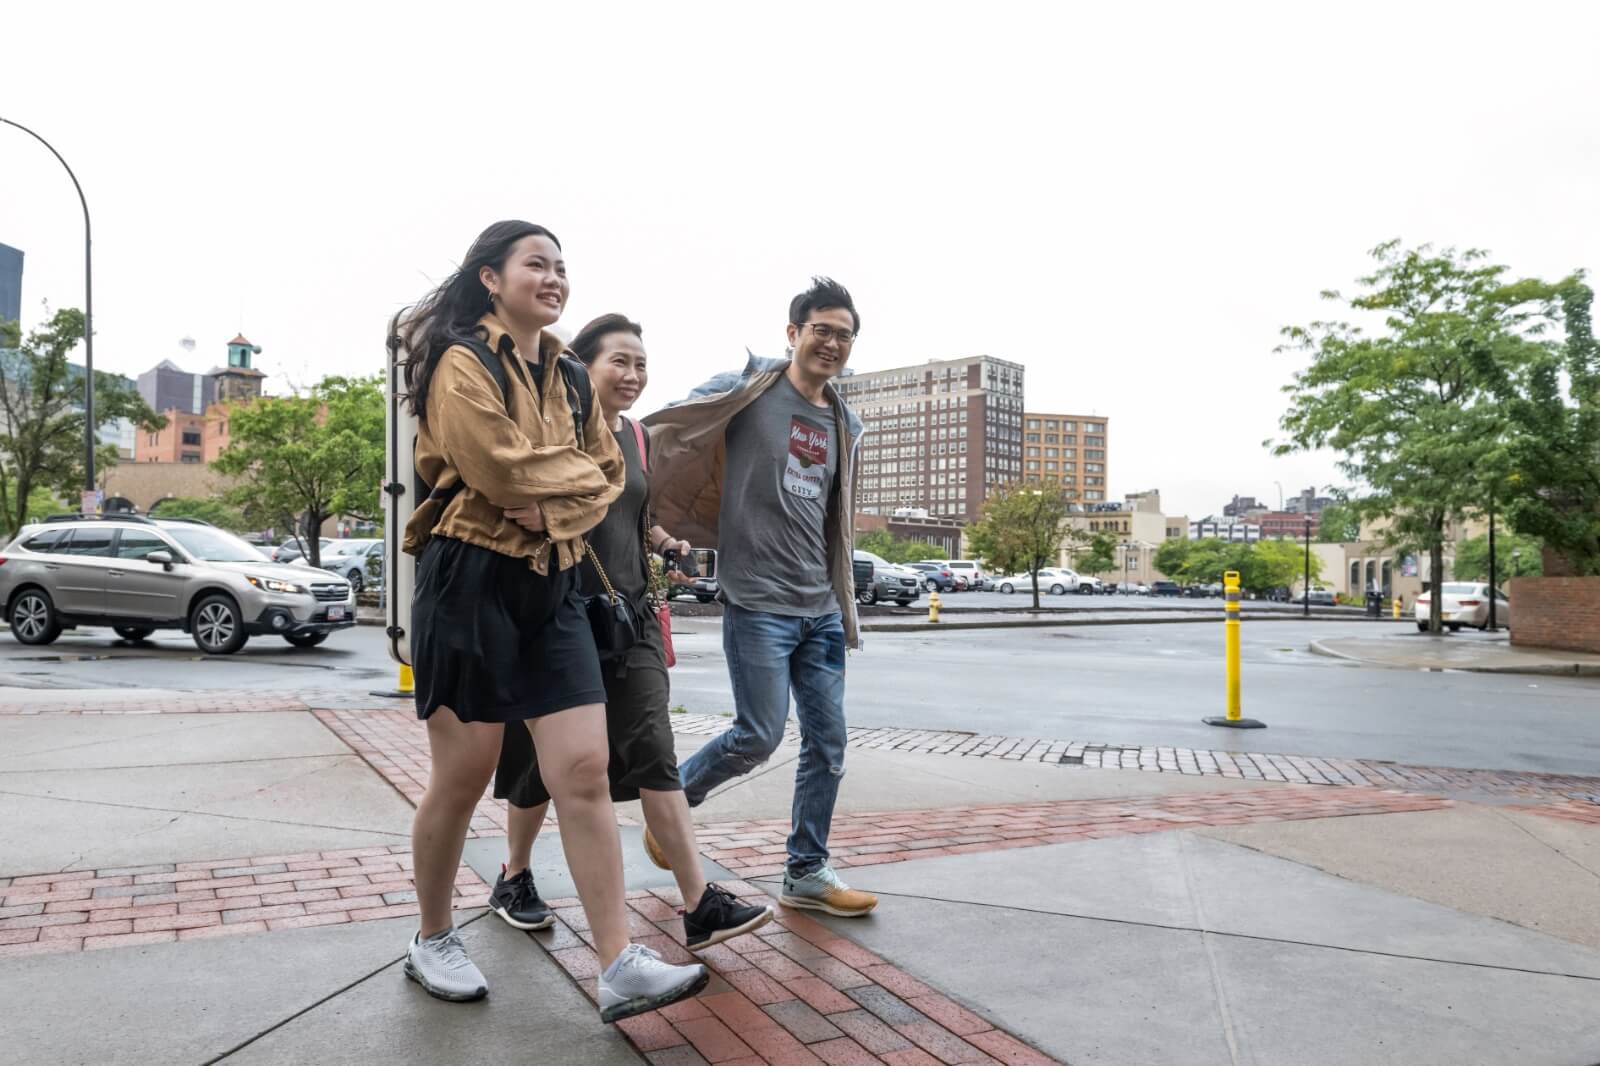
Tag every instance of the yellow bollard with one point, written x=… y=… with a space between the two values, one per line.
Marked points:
x=1231 y=605
x=405 y=690
x=933 y=606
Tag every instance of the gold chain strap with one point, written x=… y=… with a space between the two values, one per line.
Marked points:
x=604 y=580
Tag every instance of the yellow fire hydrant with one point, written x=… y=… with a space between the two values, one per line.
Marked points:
x=933 y=606
x=1397 y=606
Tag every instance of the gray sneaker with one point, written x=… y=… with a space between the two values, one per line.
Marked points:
x=821 y=890
x=440 y=965
x=639 y=981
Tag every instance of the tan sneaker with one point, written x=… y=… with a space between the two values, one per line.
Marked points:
x=821 y=890
x=653 y=849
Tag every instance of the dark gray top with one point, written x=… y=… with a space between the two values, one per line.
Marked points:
x=782 y=459
x=619 y=538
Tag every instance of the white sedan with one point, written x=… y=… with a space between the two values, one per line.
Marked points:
x=1465 y=603
x=1055 y=582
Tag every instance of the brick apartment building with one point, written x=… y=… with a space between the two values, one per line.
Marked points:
x=1066 y=450
x=938 y=435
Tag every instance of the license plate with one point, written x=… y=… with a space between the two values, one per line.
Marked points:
x=336 y=614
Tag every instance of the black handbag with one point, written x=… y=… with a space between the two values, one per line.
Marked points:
x=612 y=618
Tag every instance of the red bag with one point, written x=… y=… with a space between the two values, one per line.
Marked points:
x=664 y=612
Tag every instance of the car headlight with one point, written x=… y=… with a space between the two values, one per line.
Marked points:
x=272 y=584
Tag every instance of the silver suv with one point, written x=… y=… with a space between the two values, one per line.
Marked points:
x=139 y=574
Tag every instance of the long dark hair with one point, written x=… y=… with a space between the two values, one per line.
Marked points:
x=586 y=345
x=449 y=314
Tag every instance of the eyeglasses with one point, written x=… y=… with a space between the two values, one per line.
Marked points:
x=825 y=333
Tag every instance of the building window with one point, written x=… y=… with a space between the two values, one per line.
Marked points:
x=1033 y=423
x=1050 y=453
x=191 y=437
x=190 y=457
x=1093 y=453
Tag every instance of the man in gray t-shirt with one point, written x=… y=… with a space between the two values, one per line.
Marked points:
x=783 y=456
x=782 y=630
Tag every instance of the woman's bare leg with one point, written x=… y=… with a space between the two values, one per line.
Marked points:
x=667 y=815
x=464 y=758
x=573 y=757
x=522 y=829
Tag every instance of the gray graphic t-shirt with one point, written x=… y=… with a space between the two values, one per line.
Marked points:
x=782 y=459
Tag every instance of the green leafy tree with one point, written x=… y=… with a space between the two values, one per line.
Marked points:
x=1095 y=553
x=1407 y=405
x=42 y=418
x=1171 y=557
x=1551 y=478
x=1020 y=530
x=1278 y=564
x=895 y=549
x=304 y=459
x=1472 y=557
x=217 y=512
x=1339 y=523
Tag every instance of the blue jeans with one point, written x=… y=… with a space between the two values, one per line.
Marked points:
x=768 y=656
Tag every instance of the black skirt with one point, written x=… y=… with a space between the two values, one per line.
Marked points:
x=494 y=641
x=638 y=732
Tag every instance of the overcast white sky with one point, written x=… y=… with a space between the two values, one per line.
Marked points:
x=1131 y=202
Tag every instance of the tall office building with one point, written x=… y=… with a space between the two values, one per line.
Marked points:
x=938 y=435
x=1067 y=450
x=10 y=283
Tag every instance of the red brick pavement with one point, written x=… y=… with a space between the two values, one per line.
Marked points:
x=122 y=906
x=756 y=848
x=793 y=992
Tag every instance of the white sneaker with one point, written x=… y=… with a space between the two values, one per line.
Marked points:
x=440 y=965
x=638 y=981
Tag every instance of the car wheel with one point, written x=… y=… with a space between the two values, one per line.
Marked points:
x=34 y=619
x=931 y=585
x=305 y=640
x=217 y=625
x=1455 y=627
x=903 y=603
x=1007 y=588
x=355 y=580
x=1058 y=590
x=1422 y=627
x=132 y=633
x=706 y=599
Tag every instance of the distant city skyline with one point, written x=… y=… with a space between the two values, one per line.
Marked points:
x=1129 y=202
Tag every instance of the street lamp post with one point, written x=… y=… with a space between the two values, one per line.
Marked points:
x=1307 y=596
x=1492 y=626
x=88 y=311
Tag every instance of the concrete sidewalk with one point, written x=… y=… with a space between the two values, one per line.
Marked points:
x=1485 y=653
x=232 y=885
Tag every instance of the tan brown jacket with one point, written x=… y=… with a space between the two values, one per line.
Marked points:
x=510 y=453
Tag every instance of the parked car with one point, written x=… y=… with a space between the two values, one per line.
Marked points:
x=968 y=574
x=1318 y=597
x=1090 y=586
x=356 y=560
x=705 y=587
x=1054 y=580
x=889 y=582
x=292 y=549
x=138 y=575
x=1140 y=589
x=936 y=577
x=1165 y=588
x=1464 y=603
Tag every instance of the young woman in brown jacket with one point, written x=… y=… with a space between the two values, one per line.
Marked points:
x=519 y=471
